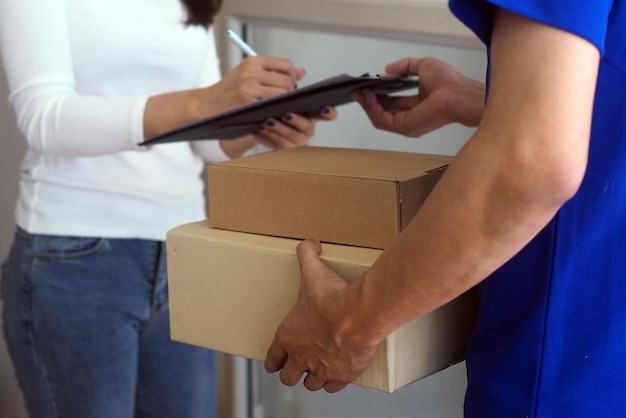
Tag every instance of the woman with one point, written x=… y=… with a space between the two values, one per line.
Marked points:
x=84 y=288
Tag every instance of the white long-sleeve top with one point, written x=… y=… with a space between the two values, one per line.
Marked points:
x=80 y=73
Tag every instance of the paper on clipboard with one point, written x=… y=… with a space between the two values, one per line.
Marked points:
x=333 y=91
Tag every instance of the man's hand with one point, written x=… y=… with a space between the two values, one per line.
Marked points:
x=316 y=338
x=444 y=96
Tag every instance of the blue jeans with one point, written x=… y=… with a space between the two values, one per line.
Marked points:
x=87 y=325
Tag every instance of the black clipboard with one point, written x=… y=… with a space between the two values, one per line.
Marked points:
x=333 y=91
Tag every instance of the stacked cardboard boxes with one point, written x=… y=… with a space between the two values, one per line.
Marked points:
x=234 y=277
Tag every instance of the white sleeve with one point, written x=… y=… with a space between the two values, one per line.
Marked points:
x=210 y=151
x=54 y=119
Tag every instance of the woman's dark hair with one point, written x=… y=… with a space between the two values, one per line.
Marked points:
x=201 y=12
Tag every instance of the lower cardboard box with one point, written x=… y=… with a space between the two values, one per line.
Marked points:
x=229 y=291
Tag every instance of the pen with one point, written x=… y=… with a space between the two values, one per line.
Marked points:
x=245 y=48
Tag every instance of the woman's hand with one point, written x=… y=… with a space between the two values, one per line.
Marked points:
x=291 y=130
x=258 y=78
x=255 y=78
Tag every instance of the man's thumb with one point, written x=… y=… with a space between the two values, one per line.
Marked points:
x=308 y=250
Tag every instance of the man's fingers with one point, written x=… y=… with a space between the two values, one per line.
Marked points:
x=276 y=358
x=312 y=268
x=312 y=383
x=404 y=67
x=290 y=375
x=399 y=68
x=332 y=387
x=308 y=251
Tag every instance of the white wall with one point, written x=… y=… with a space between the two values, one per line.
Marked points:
x=11 y=150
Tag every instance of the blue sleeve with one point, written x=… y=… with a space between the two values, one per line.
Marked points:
x=585 y=18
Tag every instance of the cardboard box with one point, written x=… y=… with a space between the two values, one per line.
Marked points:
x=229 y=291
x=346 y=196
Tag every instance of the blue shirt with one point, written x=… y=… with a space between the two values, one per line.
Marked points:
x=551 y=335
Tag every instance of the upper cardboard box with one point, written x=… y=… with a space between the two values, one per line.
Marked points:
x=337 y=195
